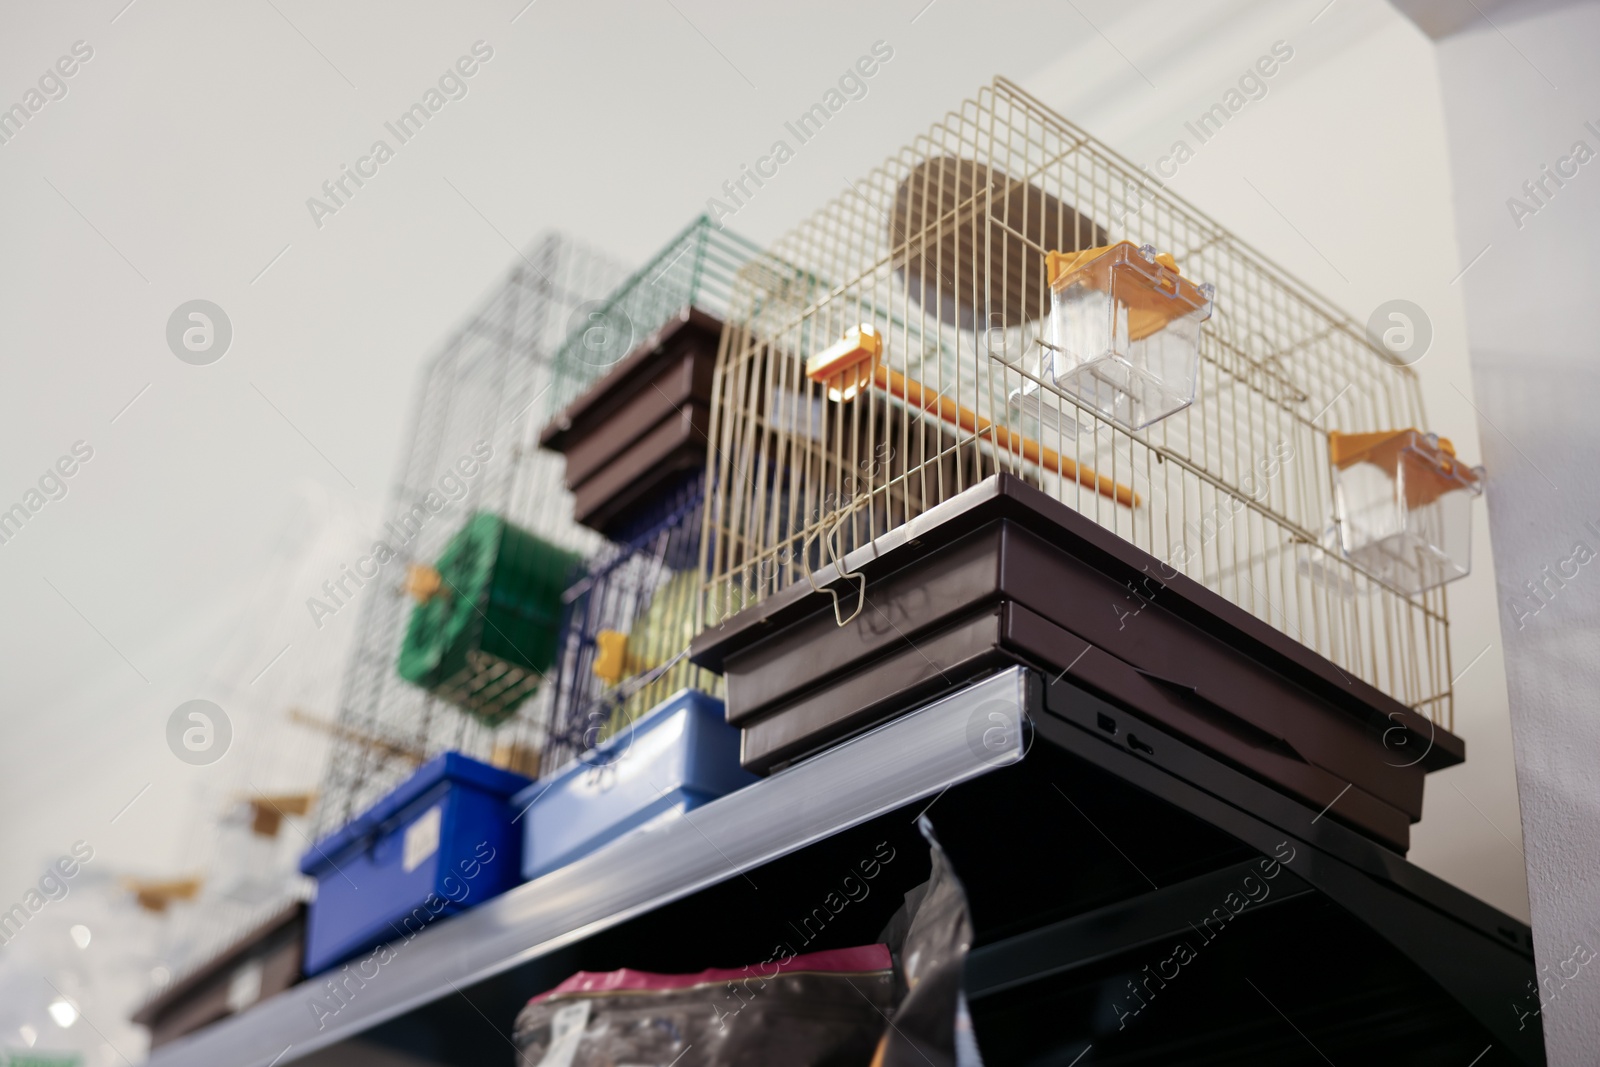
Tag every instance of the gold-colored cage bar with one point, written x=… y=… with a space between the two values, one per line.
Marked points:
x=942 y=250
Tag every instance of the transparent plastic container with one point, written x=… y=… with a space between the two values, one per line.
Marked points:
x=1040 y=412
x=1124 y=332
x=1403 y=504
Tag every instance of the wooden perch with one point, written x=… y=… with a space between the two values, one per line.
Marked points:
x=911 y=391
x=267 y=813
x=845 y=367
x=155 y=896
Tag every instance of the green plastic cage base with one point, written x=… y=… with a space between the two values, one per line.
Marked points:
x=484 y=641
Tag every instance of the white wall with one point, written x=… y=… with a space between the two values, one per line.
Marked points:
x=1518 y=98
x=1350 y=171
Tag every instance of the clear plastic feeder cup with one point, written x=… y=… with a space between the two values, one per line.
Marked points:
x=1403 y=502
x=1037 y=411
x=1125 y=332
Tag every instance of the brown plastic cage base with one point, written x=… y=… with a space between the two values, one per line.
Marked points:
x=642 y=425
x=1002 y=573
x=201 y=997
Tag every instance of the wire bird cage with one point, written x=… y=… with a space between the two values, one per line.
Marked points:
x=920 y=301
x=630 y=411
x=629 y=621
x=696 y=269
x=483 y=389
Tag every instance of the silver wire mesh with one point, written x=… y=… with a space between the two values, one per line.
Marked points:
x=697 y=268
x=486 y=385
x=942 y=249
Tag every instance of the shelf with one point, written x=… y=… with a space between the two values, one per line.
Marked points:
x=958 y=737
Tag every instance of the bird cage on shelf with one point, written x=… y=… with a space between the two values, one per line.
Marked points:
x=488 y=612
x=1007 y=294
x=629 y=411
x=471 y=450
x=629 y=620
x=695 y=269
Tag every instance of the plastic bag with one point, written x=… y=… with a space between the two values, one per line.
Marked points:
x=822 y=1009
x=933 y=932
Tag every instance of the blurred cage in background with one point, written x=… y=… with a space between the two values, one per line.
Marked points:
x=933 y=269
x=630 y=412
x=486 y=386
x=629 y=621
x=696 y=269
x=241 y=827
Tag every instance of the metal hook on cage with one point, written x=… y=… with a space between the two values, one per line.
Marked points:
x=833 y=557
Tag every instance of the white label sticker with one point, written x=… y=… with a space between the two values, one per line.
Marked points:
x=422 y=840
x=566 y=1031
x=244 y=989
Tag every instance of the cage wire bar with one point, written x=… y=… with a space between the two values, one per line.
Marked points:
x=697 y=268
x=942 y=249
x=484 y=387
x=643 y=586
x=644 y=583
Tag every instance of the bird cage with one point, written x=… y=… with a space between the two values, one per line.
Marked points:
x=696 y=269
x=1008 y=294
x=629 y=411
x=630 y=619
x=471 y=448
x=488 y=611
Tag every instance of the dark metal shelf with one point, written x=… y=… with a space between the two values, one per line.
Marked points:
x=1087 y=860
x=958 y=737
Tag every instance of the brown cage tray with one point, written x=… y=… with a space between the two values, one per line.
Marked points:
x=261 y=964
x=1002 y=573
x=640 y=426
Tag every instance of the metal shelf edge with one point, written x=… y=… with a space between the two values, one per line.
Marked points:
x=959 y=736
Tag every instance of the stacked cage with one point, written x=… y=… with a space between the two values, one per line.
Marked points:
x=629 y=620
x=629 y=409
x=916 y=335
x=476 y=500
